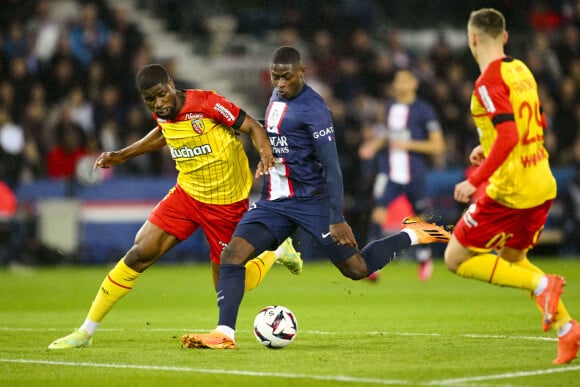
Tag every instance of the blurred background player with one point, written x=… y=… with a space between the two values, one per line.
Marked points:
x=511 y=158
x=407 y=136
x=213 y=185
x=303 y=189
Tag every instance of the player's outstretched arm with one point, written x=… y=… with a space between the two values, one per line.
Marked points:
x=152 y=141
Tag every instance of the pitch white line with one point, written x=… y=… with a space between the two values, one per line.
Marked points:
x=470 y=335
x=472 y=380
x=508 y=375
x=332 y=378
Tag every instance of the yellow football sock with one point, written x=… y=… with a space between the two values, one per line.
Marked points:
x=257 y=268
x=115 y=285
x=562 y=315
x=496 y=270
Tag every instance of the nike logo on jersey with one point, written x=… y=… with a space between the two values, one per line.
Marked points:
x=325 y=235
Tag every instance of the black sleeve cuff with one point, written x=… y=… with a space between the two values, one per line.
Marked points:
x=240 y=120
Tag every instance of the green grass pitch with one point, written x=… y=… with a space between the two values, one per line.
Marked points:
x=399 y=332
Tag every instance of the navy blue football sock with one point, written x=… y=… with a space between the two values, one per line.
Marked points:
x=230 y=293
x=380 y=253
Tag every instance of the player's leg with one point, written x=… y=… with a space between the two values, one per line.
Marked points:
x=377 y=254
x=384 y=193
x=166 y=226
x=219 y=223
x=520 y=259
x=285 y=254
x=488 y=267
x=254 y=235
x=416 y=192
x=567 y=329
x=379 y=210
x=424 y=257
x=493 y=269
x=151 y=243
x=231 y=285
x=231 y=288
x=257 y=268
x=489 y=225
x=546 y=289
x=378 y=216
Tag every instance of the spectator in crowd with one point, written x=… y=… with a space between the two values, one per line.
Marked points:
x=121 y=25
x=61 y=159
x=7 y=97
x=567 y=48
x=15 y=44
x=20 y=75
x=115 y=59
x=90 y=35
x=62 y=77
x=11 y=149
x=323 y=55
x=43 y=31
x=95 y=81
x=110 y=106
x=403 y=58
x=80 y=110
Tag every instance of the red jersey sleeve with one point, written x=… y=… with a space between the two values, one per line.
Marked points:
x=493 y=94
x=507 y=138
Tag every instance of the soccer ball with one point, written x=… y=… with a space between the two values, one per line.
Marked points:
x=275 y=327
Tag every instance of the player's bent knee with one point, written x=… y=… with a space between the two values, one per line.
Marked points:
x=451 y=267
x=450 y=262
x=232 y=254
x=455 y=255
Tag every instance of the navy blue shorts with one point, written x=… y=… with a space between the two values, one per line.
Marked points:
x=416 y=192
x=281 y=217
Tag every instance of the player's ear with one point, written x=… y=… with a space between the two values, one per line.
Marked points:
x=505 y=37
x=472 y=36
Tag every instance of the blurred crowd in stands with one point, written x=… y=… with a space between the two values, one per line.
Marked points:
x=66 y=87
x=67 y=73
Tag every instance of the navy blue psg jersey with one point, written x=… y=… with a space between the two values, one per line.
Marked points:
x=413 y=121
x=296 y=127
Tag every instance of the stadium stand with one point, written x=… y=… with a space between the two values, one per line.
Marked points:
x=54 y=89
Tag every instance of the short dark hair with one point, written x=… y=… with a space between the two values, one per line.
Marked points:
x=489 y=20
x=151 y=75
x=286 y=55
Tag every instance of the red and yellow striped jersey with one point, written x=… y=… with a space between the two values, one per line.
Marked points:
x=505 y=91
x=212 y=163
